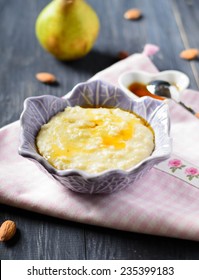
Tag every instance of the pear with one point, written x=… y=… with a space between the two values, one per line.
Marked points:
x=67 y=29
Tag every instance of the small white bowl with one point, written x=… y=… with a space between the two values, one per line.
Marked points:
x=177 y=78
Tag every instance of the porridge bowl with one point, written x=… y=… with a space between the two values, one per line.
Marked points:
x=101 y=101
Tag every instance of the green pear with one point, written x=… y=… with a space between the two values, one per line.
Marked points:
x=67 y=29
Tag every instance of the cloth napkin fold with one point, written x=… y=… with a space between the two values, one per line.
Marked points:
x=161 y=203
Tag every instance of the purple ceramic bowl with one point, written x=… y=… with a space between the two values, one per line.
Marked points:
x=38 y=110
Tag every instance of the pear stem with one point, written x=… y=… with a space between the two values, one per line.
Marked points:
x=67 y=2
x=64 y=4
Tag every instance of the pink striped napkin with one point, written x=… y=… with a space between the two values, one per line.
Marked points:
x=164 y=202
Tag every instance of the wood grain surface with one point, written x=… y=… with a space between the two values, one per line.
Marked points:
x=172 y=25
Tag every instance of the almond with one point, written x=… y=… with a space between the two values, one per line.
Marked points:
x=123 y=54
x=189 y=54
x=132 y=14
x=45 y=77
x=7 y=230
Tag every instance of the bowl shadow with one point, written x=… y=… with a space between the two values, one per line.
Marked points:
x=92 y=63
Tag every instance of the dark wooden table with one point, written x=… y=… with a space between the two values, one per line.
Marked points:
x=172 y=25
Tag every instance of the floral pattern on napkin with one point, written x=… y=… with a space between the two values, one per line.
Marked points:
x=181 y=169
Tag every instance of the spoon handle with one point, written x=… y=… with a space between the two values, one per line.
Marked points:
x=189 y=109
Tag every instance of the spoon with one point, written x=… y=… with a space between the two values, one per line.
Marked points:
x=165 y=89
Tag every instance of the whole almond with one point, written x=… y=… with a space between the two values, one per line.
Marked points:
x=189 y=54
x=132 y=14
x=123 y=54
x=7 y=230
x=46 y=77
